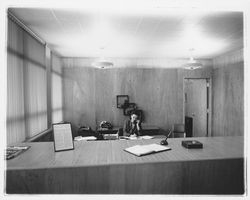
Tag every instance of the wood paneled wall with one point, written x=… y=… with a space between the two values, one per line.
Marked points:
x=155 y=85
x=228 y=94
x=56 y=89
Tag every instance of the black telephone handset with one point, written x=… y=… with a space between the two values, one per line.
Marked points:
x=165 y=142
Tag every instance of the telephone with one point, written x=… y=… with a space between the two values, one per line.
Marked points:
x=106 y=125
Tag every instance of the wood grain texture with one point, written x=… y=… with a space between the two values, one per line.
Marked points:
x=79 y=97
x=57 y=89
x=196 y=105
x=102 y=167
x=201 y=177
x=228 y=95
x=158 y=91
x=42 y=155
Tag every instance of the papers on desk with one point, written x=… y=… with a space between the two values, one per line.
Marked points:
x=110 y=136
x=140 y=150
x=145 y=137
x=132 y=138
x=88 y=138
x=14 y=151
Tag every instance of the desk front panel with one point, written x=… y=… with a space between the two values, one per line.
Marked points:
x=102 y=167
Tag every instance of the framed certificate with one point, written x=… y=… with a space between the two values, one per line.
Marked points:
x=121 y=100
x=63 y=140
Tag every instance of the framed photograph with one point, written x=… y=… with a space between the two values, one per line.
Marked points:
x=62 y=134
x=121 y=100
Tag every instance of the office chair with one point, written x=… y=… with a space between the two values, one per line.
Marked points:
x=178 y=130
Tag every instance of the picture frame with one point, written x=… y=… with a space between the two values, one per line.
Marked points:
x=62 y=136
x=121 y=100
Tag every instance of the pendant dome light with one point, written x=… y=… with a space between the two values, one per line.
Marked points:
x=102 y=63
x=192 y=64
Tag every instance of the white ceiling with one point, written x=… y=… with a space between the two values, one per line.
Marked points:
x=136 y=33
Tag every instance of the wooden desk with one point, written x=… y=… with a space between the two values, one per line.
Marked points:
x=150 y=130
x=114 y=130
x=146 y=130
x=103 y=167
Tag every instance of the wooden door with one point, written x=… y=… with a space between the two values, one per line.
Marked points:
x=196 y=104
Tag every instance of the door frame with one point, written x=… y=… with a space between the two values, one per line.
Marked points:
x=209 y=98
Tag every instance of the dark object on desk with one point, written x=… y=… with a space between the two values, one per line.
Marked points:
x=106 y=125
x=165 y=142
x=192 y=144
x=14 y=151
x=114 y=130
x=101 y=134
x=86 y=131
x=189 y=126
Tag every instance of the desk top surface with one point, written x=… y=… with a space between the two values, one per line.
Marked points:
x=144 y=127
x=94 y=153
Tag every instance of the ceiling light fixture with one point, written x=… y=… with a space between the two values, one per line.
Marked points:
x=102 y=63
x=192 y=64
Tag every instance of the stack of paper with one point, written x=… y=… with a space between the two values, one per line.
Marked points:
x=13 y=151
x=140 y=150
x=110 y=136
x=88 y=138
x=128 y=138
x=132 y=138
x=146 y=137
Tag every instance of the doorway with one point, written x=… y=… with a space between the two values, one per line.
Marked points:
x=197 y=106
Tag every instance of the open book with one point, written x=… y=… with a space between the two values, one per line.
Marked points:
x=140 y=150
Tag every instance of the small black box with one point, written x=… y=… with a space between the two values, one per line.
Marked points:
x=192 y=144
